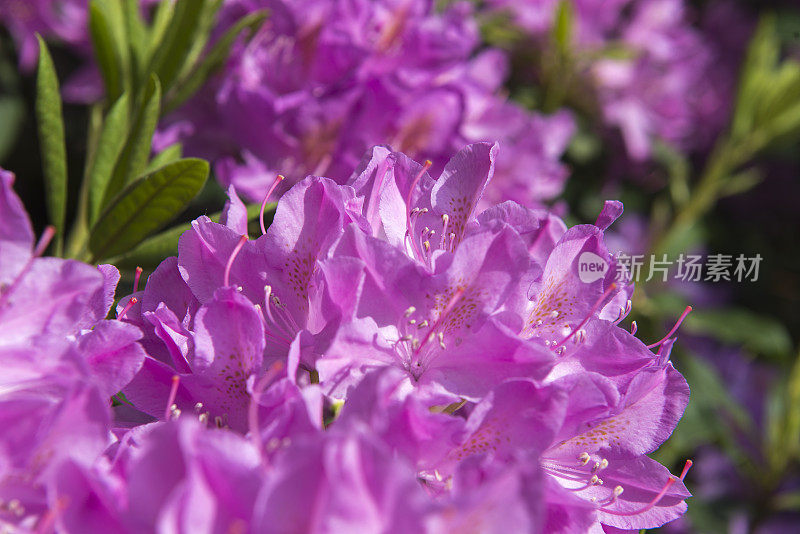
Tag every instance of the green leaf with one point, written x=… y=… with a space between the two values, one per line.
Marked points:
x=207 y=19
x=792 y=426
x=133 y=160
x=741 y=182
x=169 y=58
x=759 y=334
x=762 y=56
x=12 y=113
x=137 y=37
x=51 y=141
x=152 y=251
x=109 y=147
x=562 y=31
x=158 y=30
x=214 y=60
x=172 y=153
x=109 y=42
x=145 y=206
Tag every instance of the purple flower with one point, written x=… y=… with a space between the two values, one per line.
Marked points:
x=347 y=370
x=64 y=20
x=675 y=83
x=327 y=80
x=60 y=361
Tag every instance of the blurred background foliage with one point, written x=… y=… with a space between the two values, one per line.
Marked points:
x=739 y=347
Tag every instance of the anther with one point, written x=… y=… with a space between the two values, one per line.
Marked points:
x=409 y=311
x=137 y=275
x=441 y=340
x=686 y=468
x=16 y=508
x=584 y=458
x=131 y=303
x=409 y=232
x=634 y=328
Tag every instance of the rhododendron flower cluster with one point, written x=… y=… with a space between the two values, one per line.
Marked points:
x=654 y=75
x=325 y=80
x=386 y=357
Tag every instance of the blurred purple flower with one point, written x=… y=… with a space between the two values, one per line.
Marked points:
x=323 y=82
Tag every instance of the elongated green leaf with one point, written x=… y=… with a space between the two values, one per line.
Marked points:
x=214 y=60
x=51 y=141
x=762 y=335
x=137 y=39
x=103 y=46
x=153 y=250
x=110 y=40
x=133 y=160
x=762 y=56
x=146 y=206
x=562 y=32
x=158 y=30
x=172 y=153
x=207 y=19
x=170 y=57
x=109 y=147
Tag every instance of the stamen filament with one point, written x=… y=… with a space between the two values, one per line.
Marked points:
x=252 y=413
x=409 y=229
x=674 y=328
x=131 y=303
x=272 y=188
x=44 y=241
x=136 y=278
x=173 y=392
x=649 y=505
x=227 y=276
x=450 y=305
x=589 y=315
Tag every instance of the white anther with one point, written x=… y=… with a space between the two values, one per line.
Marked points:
x=554 y=314
x=423 y=324
x=618 y=491
x=441 y=340
x=16 y=508
x=198 y=407
x=203 y=418
x=603 y=463
x=584 y=458
x=594 y=480
x=427 y=245
x=409 y=311
x=412 y=322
